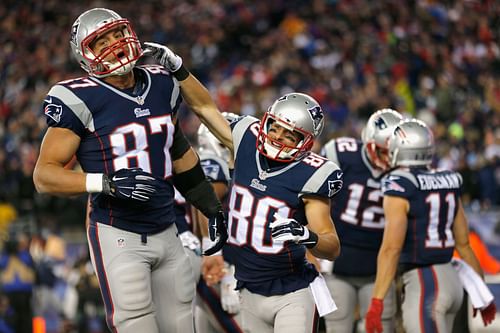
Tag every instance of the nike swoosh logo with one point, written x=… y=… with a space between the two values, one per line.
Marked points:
x=118 y=178
x=339 y=175
x=49 y=100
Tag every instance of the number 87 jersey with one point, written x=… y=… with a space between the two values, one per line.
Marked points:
x=259 y=191
x=119 y=128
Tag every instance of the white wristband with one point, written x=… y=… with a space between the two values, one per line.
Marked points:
x=207 y=243
x=94 y=182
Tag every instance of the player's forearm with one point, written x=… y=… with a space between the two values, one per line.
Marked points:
x=387 y=262
x=56 y=180
x=470 y=258
x=328 y=246
x=198 y=99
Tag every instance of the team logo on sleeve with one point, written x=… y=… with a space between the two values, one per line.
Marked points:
x=54 y=111
x=390 y=184
x=335 y=185
x=210 y=170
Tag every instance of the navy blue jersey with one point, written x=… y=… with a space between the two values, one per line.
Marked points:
x=433 y=197
x=216 y=170
x=121 y=129
x=357 y=210
x=257 y=193
x=183 y=218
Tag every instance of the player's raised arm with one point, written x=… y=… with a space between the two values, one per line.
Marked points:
x=194 y=93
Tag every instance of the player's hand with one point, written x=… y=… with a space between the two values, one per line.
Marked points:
x=487 y=314
x=190 y=241
x=373 y=318
x=217 y=232
x=165 y=56
x=229 y=297
x=131 y=184
x=285 y=229
x=213 y=269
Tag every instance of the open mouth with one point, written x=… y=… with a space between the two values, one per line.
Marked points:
x=276 y=144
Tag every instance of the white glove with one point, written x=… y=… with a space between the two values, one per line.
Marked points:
x=285 y=229
x=165 y=56
x=190 y=241
x=229 y=298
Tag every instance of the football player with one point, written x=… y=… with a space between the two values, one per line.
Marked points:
x=279 y=205
x=358 y=216
x=121 y=123
x=425 y=222
x=217 y=302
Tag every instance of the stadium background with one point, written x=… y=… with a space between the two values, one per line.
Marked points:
x=436 y=60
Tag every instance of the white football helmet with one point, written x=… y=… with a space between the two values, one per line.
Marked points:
x=377 y=131
x=208 y=143
x=411 y=144
x=296 y=112
x=116 y=59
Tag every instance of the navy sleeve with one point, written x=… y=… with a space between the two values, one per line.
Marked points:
x=397 y=186
x=58 y=114
x=332 y=185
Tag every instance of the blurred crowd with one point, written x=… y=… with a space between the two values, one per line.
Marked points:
x=435 y=60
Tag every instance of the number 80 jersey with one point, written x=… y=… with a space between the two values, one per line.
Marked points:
x=257 y=193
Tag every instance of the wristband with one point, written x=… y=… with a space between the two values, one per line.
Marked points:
x=93 y=182
x=181 y=74
x=206 y=243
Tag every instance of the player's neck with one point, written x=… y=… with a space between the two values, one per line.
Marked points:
x=121 y=81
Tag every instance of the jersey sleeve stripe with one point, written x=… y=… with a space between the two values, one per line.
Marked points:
x=75 y=104
x=318 y=178
x=239 y=130
x=174 y=99
x=331 y=152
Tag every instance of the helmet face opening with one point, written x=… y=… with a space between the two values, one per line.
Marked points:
x=299 y=113
x=378 y=155
x=278 y=150
x=117 y=58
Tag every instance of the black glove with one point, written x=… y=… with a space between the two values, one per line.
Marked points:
x=217 y=231
x=130 y=184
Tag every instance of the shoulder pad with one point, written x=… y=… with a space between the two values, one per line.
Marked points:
x=239 y=127
x=73 y=102
x=326 y=181
x=404 y=173
x=329 y=150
